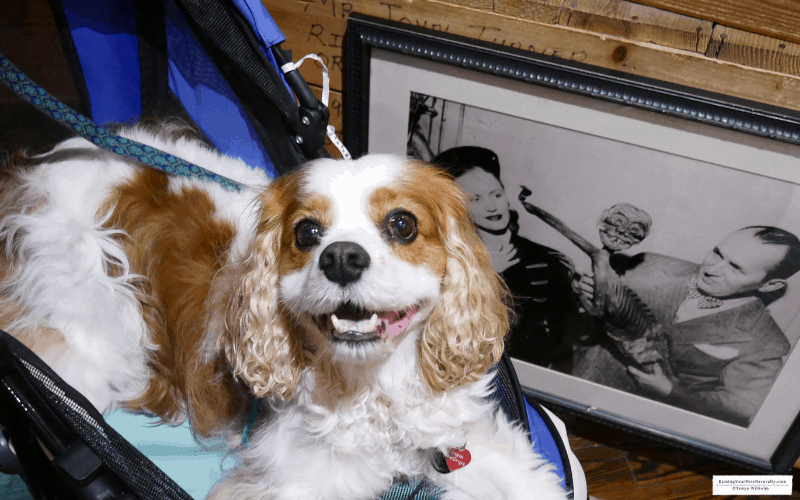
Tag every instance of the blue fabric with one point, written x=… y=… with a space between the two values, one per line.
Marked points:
x=251 y=422
x=543 y=440
x=544 y=443
x=265 y=28
x=193 y=466
x=207 y=97
x=13 y=488
x=266 y=31
x=104 y=34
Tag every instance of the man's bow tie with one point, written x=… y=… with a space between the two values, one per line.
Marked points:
x=704 y=301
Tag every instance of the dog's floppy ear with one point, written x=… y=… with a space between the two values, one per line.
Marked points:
x=258 y=340
x=464 y=336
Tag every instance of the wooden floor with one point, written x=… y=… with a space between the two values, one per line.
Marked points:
x=622 y=466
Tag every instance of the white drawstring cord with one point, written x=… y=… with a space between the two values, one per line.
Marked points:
x=326 y=92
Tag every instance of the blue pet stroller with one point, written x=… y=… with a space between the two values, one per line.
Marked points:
x=216 y=64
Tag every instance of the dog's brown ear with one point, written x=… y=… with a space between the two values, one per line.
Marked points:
x=258 y=340
x=464 y=336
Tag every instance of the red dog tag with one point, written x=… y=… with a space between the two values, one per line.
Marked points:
x=458 y=458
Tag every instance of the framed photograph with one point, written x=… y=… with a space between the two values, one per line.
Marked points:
x=647 y=231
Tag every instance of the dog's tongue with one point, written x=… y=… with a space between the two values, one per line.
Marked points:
x=395 y=322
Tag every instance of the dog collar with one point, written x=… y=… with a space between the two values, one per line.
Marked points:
x=455 y=459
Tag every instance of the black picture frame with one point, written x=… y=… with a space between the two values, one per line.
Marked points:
x=648 y=100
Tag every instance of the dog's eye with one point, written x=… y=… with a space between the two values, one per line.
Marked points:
x=401 y=226
x=307 y=234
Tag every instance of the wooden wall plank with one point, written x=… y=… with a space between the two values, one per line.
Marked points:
x=758 y=51
x=318 y=26
x=613 y=17
x=313 y=27
x=775 y=18
x=637 y=22
x=541 y=11
x=30 y=40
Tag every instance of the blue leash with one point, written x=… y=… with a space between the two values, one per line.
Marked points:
x=18 y=82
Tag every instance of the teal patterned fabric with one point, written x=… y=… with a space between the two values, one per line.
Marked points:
x=415 y=489
x=18 y=82
x=13 y=488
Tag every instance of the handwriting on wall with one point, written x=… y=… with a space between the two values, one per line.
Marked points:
x=337 y=9
x=483 y=32
x=326 y=22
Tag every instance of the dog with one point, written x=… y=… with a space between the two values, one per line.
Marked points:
x=353 y=296
x=371 y=270
x=118 y=275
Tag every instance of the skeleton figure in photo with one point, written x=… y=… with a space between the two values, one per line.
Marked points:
x=724 y=348
x=623 y=226
x=538 y=277
x=626 y=319
x=417 y=144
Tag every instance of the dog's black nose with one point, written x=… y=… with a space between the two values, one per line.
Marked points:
x=343 y=262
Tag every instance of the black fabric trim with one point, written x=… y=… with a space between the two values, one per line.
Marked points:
x=65 y=409
x=505 y=362
x=270 y=114
x=303 y=93
x=71 y=56
x=559 y=443
x=218 y=24
x=152 y=44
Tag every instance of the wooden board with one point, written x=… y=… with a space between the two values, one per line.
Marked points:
x=541 y=11
x=30 y=40
x=613 y=17
x=774 y=18
x=758 y=51
x=318 y=26
x=636 y=22
x=623 y=466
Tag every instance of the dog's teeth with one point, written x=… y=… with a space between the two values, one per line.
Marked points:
x=363 y=326
x=343 y=325
x=373 y=322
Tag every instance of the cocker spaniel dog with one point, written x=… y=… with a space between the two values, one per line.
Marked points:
x=370 y=272
x=353 y=296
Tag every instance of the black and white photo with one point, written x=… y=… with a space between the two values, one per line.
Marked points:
x=693 y=330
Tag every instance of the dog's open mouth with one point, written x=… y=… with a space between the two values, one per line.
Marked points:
x=355 y=324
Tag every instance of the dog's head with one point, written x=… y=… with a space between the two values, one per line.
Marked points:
x=360 y=253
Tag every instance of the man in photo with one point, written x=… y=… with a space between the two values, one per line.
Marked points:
x=538 y=277
x=724 y=348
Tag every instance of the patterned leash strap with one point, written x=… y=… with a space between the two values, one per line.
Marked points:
x=18 y=82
